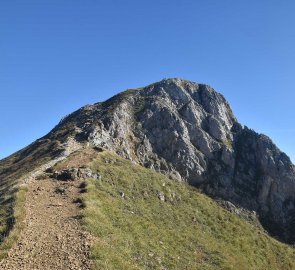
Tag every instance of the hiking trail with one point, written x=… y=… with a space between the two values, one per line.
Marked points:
x=52 y=237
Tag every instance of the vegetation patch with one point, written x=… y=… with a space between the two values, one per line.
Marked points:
x=143 y=220
x=12 y=225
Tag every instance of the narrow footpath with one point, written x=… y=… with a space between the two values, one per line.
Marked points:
x=52 y=237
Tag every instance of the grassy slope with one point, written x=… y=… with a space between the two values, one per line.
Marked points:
x=187 y=231
x=18 y=217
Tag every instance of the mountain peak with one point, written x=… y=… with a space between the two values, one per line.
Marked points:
x=189 y=132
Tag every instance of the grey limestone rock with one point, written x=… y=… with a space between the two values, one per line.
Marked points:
x=161 y=196
x=72 y=174
x=188 y=131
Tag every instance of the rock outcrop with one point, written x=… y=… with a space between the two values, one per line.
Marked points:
x=72 y=174
x=188 y=131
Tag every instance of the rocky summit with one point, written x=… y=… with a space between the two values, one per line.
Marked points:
x=187 y=131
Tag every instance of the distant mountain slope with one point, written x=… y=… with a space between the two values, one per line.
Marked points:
x=187 y=131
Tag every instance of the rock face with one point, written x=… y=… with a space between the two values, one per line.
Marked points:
x=188 y=131
x=73 y=174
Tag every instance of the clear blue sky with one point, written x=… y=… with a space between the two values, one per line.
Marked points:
x=56 y=56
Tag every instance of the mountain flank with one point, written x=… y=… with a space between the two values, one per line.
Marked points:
x=137 y=219
x=144 y=220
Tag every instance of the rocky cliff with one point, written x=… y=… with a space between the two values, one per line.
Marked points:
x=188 y=131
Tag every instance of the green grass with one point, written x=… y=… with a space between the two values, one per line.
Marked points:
x=186 y=231
x=17 y=217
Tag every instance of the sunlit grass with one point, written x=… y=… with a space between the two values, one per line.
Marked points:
x=18 y=216
x=186 y=231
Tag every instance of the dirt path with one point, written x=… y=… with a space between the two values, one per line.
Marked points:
x=52 y=237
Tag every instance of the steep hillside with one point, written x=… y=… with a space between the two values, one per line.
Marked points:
x=143 y=220
x=138 y=219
